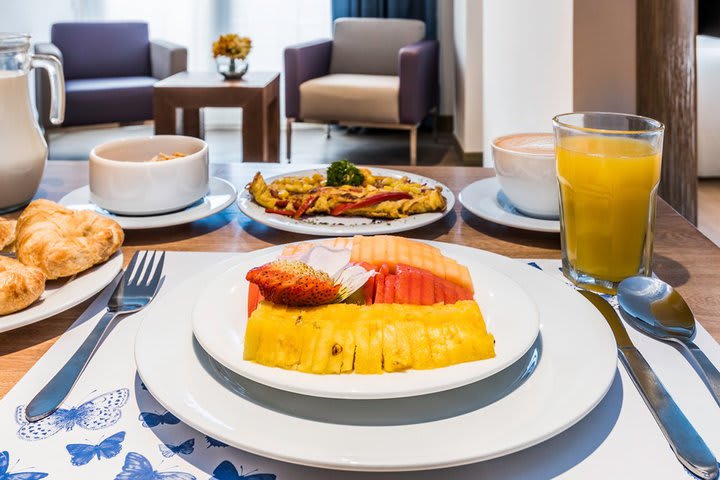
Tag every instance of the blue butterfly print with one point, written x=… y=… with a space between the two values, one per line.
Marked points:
x=186 y=448
x=4 y=475
x=100 y=412
x=214 y=443
x=150 y=419
x=227 y=471
x=81 y=454
x=534 y=265
x=137 y=467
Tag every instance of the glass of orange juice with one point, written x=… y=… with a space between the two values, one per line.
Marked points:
x=608 y=168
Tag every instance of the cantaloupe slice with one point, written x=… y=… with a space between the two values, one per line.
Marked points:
x=399 y=250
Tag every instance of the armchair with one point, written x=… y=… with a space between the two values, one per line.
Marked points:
x=110 y=70
x=375 y=72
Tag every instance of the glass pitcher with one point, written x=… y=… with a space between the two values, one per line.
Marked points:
x=24 y=150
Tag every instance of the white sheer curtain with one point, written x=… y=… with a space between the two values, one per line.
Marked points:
x=271 y=24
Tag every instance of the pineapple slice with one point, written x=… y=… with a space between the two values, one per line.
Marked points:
x=348 y=353
x=325 y=342
x=338 y=345
x=414 y=330
x=396 y=347
x=311 y=329
x=439 y=344
x=289 y=340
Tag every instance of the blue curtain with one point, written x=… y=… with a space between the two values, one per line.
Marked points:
x=424 y=10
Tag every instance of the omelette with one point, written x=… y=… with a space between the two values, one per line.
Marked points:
x=372 y=196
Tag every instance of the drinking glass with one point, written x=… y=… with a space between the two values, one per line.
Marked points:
x=608 y=168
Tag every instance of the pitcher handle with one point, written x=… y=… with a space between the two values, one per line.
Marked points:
x=54 y=69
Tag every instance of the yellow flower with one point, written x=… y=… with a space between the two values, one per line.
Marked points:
x=232 y=45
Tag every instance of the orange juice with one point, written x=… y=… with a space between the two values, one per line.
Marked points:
x=608 y=187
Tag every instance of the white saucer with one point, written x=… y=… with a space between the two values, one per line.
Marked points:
x=222 y=194
x=485 y=199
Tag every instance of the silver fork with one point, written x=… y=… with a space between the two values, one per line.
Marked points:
x=135 y=290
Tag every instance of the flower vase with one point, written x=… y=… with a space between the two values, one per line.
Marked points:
x=232 y=68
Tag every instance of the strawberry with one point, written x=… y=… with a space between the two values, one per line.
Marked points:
x=293 y=283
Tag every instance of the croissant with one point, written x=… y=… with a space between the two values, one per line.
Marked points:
x=62 y=242
x=7 y=232
x=20 y=285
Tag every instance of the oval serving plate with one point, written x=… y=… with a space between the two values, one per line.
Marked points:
x=328 y=226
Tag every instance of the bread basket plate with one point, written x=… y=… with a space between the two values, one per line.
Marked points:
x=65 y=293
x=220 y=318
x=328 y=226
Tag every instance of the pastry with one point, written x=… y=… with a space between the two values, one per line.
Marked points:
x=62 y=242
x=20 y=285
x=7 y=232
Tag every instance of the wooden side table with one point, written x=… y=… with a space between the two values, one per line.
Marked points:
x=257 y=94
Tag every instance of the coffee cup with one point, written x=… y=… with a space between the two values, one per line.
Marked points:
x=525 y=168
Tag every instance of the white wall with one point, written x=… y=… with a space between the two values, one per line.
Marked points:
x=604 y=56
x=468 y=43
x=517 y=63
x=527 y=66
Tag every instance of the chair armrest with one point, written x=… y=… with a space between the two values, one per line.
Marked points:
x=42 y=83
x=418 y=80
x=167 y=58
x=302 y=63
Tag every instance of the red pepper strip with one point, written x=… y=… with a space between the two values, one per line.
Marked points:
x=305 y=205
x=365 y=202
x=287 y=213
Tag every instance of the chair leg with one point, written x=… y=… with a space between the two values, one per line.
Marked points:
x=413 y=145
x=288 y=137
x=436 y=119
x=327 y=131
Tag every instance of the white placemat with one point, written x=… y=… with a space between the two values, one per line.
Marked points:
x=619 y=439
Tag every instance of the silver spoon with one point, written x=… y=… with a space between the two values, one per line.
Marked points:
x=655 y=308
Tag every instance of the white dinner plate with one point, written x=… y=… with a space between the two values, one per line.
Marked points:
x=486 y=199
x=222 y=194
x=575 y=360
x=220 y=319
x=65 y=293
x=328 y=226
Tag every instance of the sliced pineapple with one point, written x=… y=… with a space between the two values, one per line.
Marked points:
x=344 y=338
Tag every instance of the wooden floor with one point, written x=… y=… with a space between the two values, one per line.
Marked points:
x=709 y=209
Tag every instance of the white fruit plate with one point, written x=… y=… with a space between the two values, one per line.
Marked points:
x=220 y=318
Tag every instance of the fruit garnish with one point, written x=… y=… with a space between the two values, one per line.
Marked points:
x=293 y=283
x=343 y=172
x=317 y=276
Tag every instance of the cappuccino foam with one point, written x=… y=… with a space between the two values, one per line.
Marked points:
x=533 y=143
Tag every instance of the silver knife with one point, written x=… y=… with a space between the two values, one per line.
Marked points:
x=684 y=440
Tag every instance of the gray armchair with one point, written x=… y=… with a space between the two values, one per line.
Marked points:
x=375 y=72
x=110 y=70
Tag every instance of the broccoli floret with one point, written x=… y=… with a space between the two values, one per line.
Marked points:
x=343 y=172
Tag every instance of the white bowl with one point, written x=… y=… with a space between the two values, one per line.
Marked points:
x=124 y=181
x=528 y=178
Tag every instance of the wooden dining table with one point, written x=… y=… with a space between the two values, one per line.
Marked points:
x=684 y=257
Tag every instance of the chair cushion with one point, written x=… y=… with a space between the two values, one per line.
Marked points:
x=371 y=45
x=108 y=100
x=103 y=49
x=348 y=97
